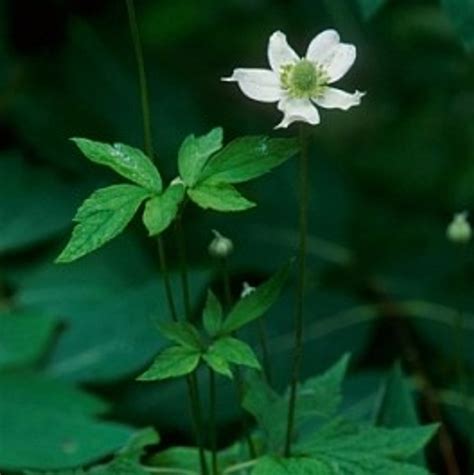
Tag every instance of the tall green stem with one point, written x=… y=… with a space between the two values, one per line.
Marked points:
x=212 y=419
x=132 y=17
x=299 y=310
x=193 y=393
x=192 y=379
x=239 y=385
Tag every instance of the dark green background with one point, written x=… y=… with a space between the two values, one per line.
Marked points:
x=386 y=178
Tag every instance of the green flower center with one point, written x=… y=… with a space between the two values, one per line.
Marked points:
x=304 y=79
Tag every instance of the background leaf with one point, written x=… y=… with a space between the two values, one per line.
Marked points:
x=23 y=338
x=32 y=405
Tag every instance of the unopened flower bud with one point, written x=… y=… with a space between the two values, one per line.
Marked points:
x=247 y=289
x=221 y=246
x=459 y=230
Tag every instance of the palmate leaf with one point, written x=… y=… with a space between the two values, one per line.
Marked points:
x=129 y=162
x=396 y=405
x=255 y=304
x=317 y=397
x=102 y=216
x=194 y=153
x=161 y=210
x=219 y=197
x=172 y=363
x=352 y=448
x=322 y=395
x=291 y=466
x=247 y=158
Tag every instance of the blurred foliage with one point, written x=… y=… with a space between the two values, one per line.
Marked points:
x=384 y=283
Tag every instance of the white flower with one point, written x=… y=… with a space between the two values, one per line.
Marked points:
x=301 y=84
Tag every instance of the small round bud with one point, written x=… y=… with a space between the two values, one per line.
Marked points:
x=247 y=289
x=220 y=247
x=459 y=230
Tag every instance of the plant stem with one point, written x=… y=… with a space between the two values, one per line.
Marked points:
x=183 y=266
x=238 y=376
x=192 y=379
x=193 y=393
x=226 y=281
x=132 y=17
x=212 y=419
x=299 y=310
x=263 y=337
x=196 y=411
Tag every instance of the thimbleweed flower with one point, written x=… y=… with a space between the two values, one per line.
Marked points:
x=459 y=230
x=297 y=84
x=221 y=246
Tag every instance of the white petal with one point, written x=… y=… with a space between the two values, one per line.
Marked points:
x=280 y=52
x=297 y=110
x=339 y=61
x=336 y=99
x=322 y=45
x=259 y=84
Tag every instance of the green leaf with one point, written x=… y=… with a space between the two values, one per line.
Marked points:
x=38 y=391
x=129 y=162
x=321 y=396
x=161 y=210
x=369 y=8
x=269 y=409
x=185 y=458
x=256 y=303
x=365 y=449
x=247 y=158
x=219 y=197
x=23 y=338
x=40 y=435
x=396 y=405
x=194 y=153
x=212 y=314
x=35 y=204
x=135 y=446
x=172 y=363
x=218 y=363
x=102 y=216
x=183 y=333
x=461 y=13
x=235 y=351
x=291 y=466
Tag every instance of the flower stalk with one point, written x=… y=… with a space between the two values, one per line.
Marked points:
x=300 y=290
x=193 y=394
